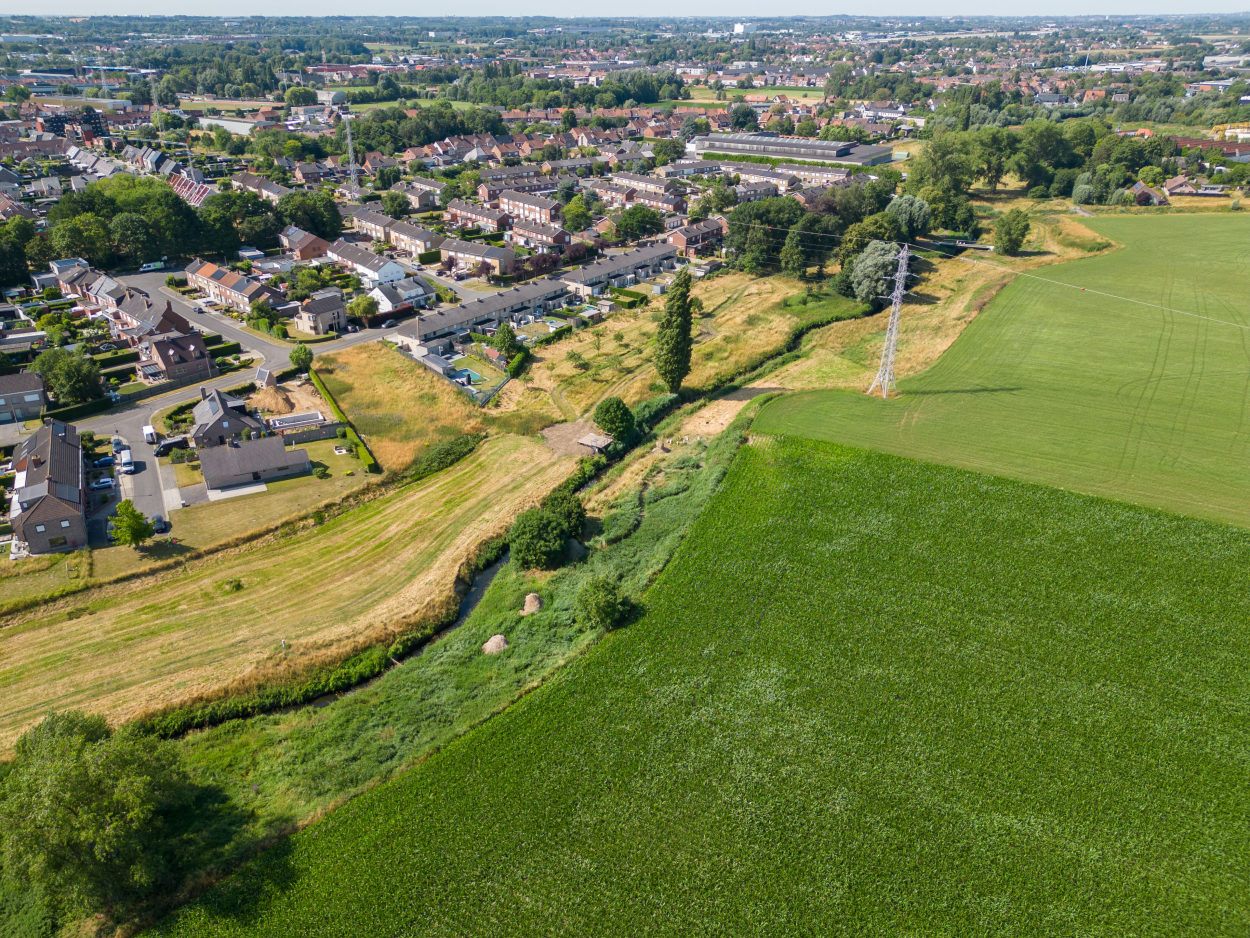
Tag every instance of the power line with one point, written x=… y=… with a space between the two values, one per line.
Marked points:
x=1017 y=273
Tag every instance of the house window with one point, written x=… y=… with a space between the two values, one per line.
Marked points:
x=39 y=529
x=225 y=424
x=32 y=398
x=65 y=524
x=1 y=401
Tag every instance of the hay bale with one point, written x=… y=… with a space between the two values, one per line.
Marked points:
x=533 y=602
x=494 y=645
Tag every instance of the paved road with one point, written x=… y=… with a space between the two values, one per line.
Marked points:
x=153 y=488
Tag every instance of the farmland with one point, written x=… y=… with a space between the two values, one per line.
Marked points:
x=1067 y=386
x=168 y=636
x=931 y=701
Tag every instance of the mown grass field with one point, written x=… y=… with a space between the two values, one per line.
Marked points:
x=1086 y=391
x=140 y=644
x=870 y=696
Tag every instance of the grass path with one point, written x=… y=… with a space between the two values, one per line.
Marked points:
x=1055 y=385
x=1018 y=714
x=123 y=648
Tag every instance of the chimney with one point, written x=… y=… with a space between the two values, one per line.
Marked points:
x=203 y=393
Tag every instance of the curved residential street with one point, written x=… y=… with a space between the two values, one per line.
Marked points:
x=155 y=491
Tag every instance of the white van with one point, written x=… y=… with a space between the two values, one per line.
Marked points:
x=149 y=434
x=127 y=462
x=148 y=268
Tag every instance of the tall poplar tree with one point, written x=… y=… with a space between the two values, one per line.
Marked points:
x=674 y=341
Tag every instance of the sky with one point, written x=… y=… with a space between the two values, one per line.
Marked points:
x=729 y=8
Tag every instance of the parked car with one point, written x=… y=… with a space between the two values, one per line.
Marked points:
x=389 y=324
x=159 y=525
x=118 y=445
x=99 y=484
x=103 y=462
x=167 y=446
x=110 y=531
x=352 y=328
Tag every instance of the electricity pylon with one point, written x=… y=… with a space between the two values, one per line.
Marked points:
x=885 y=374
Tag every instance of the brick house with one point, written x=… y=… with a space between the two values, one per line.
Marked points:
x=174 y=357
x=464 y=215
x=227 y=286
x=524 y=205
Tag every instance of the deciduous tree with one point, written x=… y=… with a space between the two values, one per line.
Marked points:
x=130 y=526
x=673 y=340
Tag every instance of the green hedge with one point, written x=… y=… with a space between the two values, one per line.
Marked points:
x=121 y=371
x=366 y=457
x=430 y=257
x=212 y=338
x=442 y=456
x=119 y=357
x=631 y=294
x=516 y=367
x=229 y=348
x=85 y=409
x=552 y=337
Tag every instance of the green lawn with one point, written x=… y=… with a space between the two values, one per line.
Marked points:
x=870 y=696
x=1084 y=390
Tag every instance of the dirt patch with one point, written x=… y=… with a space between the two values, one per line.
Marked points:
x=296 y=397
x=562 y=438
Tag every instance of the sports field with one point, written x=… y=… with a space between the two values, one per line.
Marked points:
x=1085 y=390
x=870 y=696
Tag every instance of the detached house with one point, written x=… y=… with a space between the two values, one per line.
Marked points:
x=220 y=419
x=321 y=313
x=175 y=358
x=252 y=461
x=49 y=508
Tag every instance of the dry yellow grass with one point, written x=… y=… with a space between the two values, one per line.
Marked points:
x=397 y=404
x=745 y=318
x=400 y=406
x=157 y=640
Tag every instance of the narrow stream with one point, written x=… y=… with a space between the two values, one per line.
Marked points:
x=467 y=604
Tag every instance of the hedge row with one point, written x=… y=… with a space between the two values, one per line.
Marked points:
x=552 y=337
x=85 y=409
x=354 y=670
x=228 y=348
x=442 y=456
x=212 y=338
x=118 y=357
x=429 y=257
x=366 y=458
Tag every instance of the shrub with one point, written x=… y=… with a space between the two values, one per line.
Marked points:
x=1039 y=193
x=517 y=366
x=537 y=539
x=614 y=418
x=600 y=604
x=321 y=472
x=570 y=511
x=1010 y=232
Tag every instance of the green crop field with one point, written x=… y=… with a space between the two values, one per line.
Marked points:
x=869 y=696
x=1089 y=392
